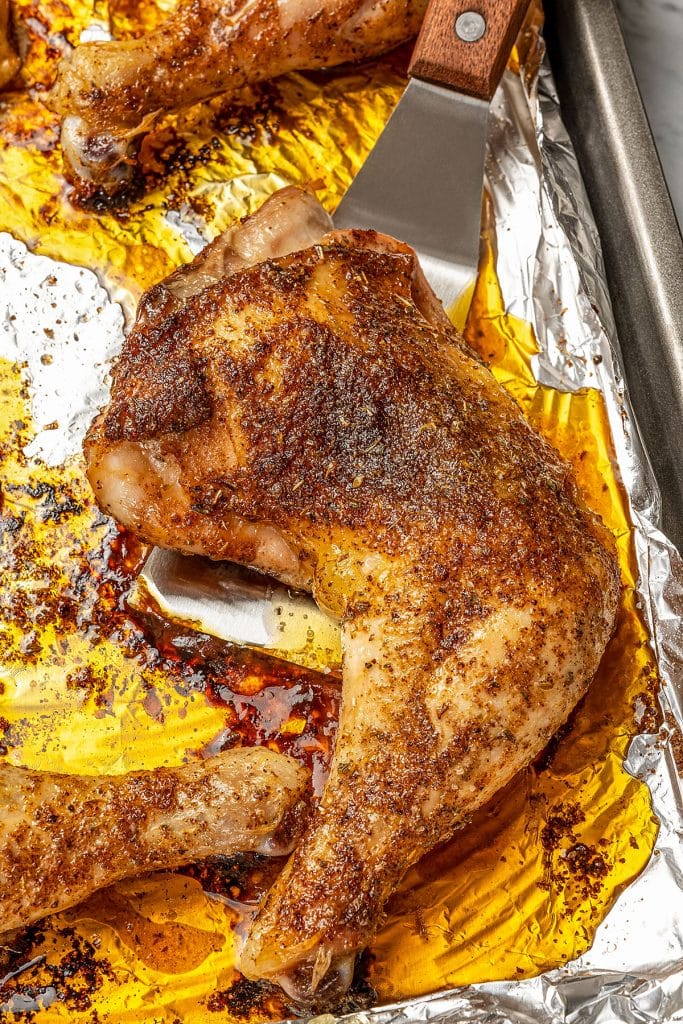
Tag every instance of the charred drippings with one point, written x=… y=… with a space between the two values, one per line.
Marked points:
x=32 y=126
x=575 y=868
x=55 y=503
x=93 y=198
x=266 y=701
x=254 y=116
x=96 y=685
x=244 y=878
x=171 y=157
x=560 y=824
x=247 y=1000
x=74 y=979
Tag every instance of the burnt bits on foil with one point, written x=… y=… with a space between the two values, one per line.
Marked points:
x=561 y=901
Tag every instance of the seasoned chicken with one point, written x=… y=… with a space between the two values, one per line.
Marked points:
x=109 y=93
x=9 y=60
x=64 y=836
x=316 y=416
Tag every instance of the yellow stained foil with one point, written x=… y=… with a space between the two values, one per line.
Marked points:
x=89 y=685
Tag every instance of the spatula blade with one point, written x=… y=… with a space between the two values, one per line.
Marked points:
x=238 y=605
x=422 y=183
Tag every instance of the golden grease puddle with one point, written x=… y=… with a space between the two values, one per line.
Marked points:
x=88 y=684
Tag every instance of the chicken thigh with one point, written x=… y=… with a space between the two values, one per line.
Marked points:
x=313 y=414
x=109 y=93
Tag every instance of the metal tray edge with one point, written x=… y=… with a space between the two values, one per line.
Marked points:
x=641 y=239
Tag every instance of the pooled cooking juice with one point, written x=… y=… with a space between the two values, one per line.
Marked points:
x=90 y=684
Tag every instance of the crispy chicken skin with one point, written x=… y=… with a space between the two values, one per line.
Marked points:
x=316 y=416
x=108 y=93
x=64 y=836
x=9 y=60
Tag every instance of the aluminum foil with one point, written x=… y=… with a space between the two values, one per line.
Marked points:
x=541 y=317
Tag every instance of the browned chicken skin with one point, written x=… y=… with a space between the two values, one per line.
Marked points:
x=109 y=93
x=9 y=59
x=64 y=836
x=316 y=416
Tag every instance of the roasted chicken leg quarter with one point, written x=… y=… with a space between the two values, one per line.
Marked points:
x=109 y=93
x=314 y=414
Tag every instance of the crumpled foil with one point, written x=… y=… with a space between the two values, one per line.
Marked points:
x=561 y=901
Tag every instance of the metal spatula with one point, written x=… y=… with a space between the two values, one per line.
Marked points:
x=239 y=605
x=422 y=183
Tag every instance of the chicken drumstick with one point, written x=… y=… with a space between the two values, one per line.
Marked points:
x=108 y=93
x=64 y=836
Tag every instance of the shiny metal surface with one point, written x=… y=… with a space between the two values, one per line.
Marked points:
x=422 y=183
x=641 y=240
x=470 y=26
x=235 y=604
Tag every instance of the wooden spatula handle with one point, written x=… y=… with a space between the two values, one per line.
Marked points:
x=474 y=67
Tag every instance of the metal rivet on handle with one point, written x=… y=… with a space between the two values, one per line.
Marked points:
x=470 y=26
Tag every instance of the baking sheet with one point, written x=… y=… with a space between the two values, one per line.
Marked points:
x=90 y=686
